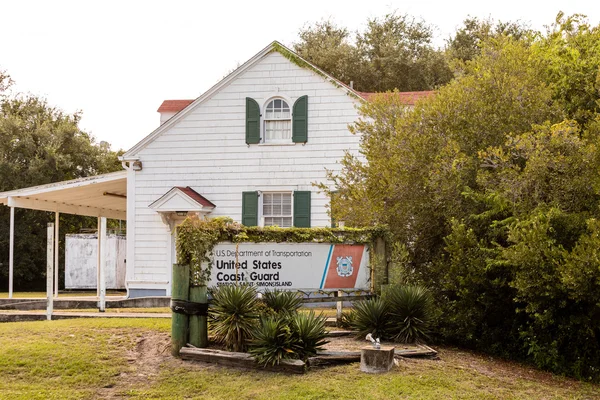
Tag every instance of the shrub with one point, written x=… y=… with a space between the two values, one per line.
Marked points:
x=309 y=333
x=370 y=316
x=282 y=301
x=273 y=341
x=410 y=312
x=288 y=336
x=234 y=315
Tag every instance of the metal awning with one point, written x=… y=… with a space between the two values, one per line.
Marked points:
x=95 y=196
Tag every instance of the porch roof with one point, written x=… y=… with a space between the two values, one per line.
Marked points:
x=95 y=196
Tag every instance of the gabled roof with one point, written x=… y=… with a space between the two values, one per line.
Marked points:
x=406 y=98
x=274 y=46
x=174 y=105
x=181 y=198
x=196 y=196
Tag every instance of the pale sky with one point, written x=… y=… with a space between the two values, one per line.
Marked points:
x=118 y=60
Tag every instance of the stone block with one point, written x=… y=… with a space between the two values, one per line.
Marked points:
x=376 y=361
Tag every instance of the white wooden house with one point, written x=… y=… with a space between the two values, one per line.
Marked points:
x=250 y=148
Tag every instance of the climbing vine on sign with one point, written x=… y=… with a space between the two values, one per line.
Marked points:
x=196 y=239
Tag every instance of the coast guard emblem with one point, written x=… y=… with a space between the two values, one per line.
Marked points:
x=344 y=266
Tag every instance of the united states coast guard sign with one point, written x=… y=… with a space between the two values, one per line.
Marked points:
x=291 y=265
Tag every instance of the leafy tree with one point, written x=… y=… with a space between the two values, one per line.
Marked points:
x=393 y=52
x=41 y=144
x=468 y=40
x=492 y=190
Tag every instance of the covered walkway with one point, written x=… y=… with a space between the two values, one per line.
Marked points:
x=102 y=196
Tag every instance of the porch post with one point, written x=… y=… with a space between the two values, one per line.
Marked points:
x=56 y=243
x=102 y=247
x=49 y=274
x=11 y=251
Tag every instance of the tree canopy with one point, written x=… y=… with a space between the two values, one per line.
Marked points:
x=492 y=190
x=393 y=52
x=41 y=144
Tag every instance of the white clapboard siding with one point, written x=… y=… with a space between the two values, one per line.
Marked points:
x=207 y=151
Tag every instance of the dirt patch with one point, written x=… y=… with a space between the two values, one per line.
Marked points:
x=145 y=358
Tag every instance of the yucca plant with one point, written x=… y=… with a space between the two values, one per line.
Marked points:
x=370 y=316
x=410 y=311
x=273 y=341
x=308 y=330
x=282 y=301
x=234 y=316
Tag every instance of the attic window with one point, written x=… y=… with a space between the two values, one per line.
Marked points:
x=278 y=122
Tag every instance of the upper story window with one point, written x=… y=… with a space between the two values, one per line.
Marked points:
x=278 y=121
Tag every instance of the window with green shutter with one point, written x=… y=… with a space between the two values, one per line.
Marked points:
x=250 y=208
x=300 y=120
x=302 y=209
x=252 y=121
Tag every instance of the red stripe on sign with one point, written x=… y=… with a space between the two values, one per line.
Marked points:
x=344 y=266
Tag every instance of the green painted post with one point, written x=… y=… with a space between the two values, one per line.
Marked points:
x=179 y=322
x=199 y=323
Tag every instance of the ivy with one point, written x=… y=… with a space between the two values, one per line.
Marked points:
x=196 y=239
x=299 y=61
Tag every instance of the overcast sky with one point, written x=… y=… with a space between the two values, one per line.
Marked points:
x=117 y=60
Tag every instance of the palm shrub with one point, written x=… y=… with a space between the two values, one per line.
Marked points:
x=282 y=301
x=309 y=333
x=370 y=316
x=273 y=341
x=410 y=312
x=234 y=315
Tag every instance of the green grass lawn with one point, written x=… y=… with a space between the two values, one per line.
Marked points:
x=130 y=358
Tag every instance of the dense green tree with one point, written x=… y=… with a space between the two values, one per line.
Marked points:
x=467 y=41
x=41 y=144
x=393 y=52
x=492 y=191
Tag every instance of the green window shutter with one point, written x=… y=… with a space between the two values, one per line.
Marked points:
x=302 y=209
x=300 y=120
x=250 y=208
x=252 y=121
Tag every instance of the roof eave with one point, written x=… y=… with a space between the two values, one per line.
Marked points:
x=131 y=154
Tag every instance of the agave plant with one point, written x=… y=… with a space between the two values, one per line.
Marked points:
x=234 y=315
x=282 y=301
x=273 y=341
x=370 y=316
x=309 y=333
x=410 y=311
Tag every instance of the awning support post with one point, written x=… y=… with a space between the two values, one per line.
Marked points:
x=56 y=249
x=11 y=252
x=102 y=247
x=49 y=270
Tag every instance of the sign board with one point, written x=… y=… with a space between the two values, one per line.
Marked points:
x=291 y=265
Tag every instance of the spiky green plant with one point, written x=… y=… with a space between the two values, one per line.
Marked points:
x=370 y=316
x=308 y=330
x=410 y=312
x=234 y=315
x=282 y=301
x=273 y=341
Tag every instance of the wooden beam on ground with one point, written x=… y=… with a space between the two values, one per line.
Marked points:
x=239 y=360
x=334 y=358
